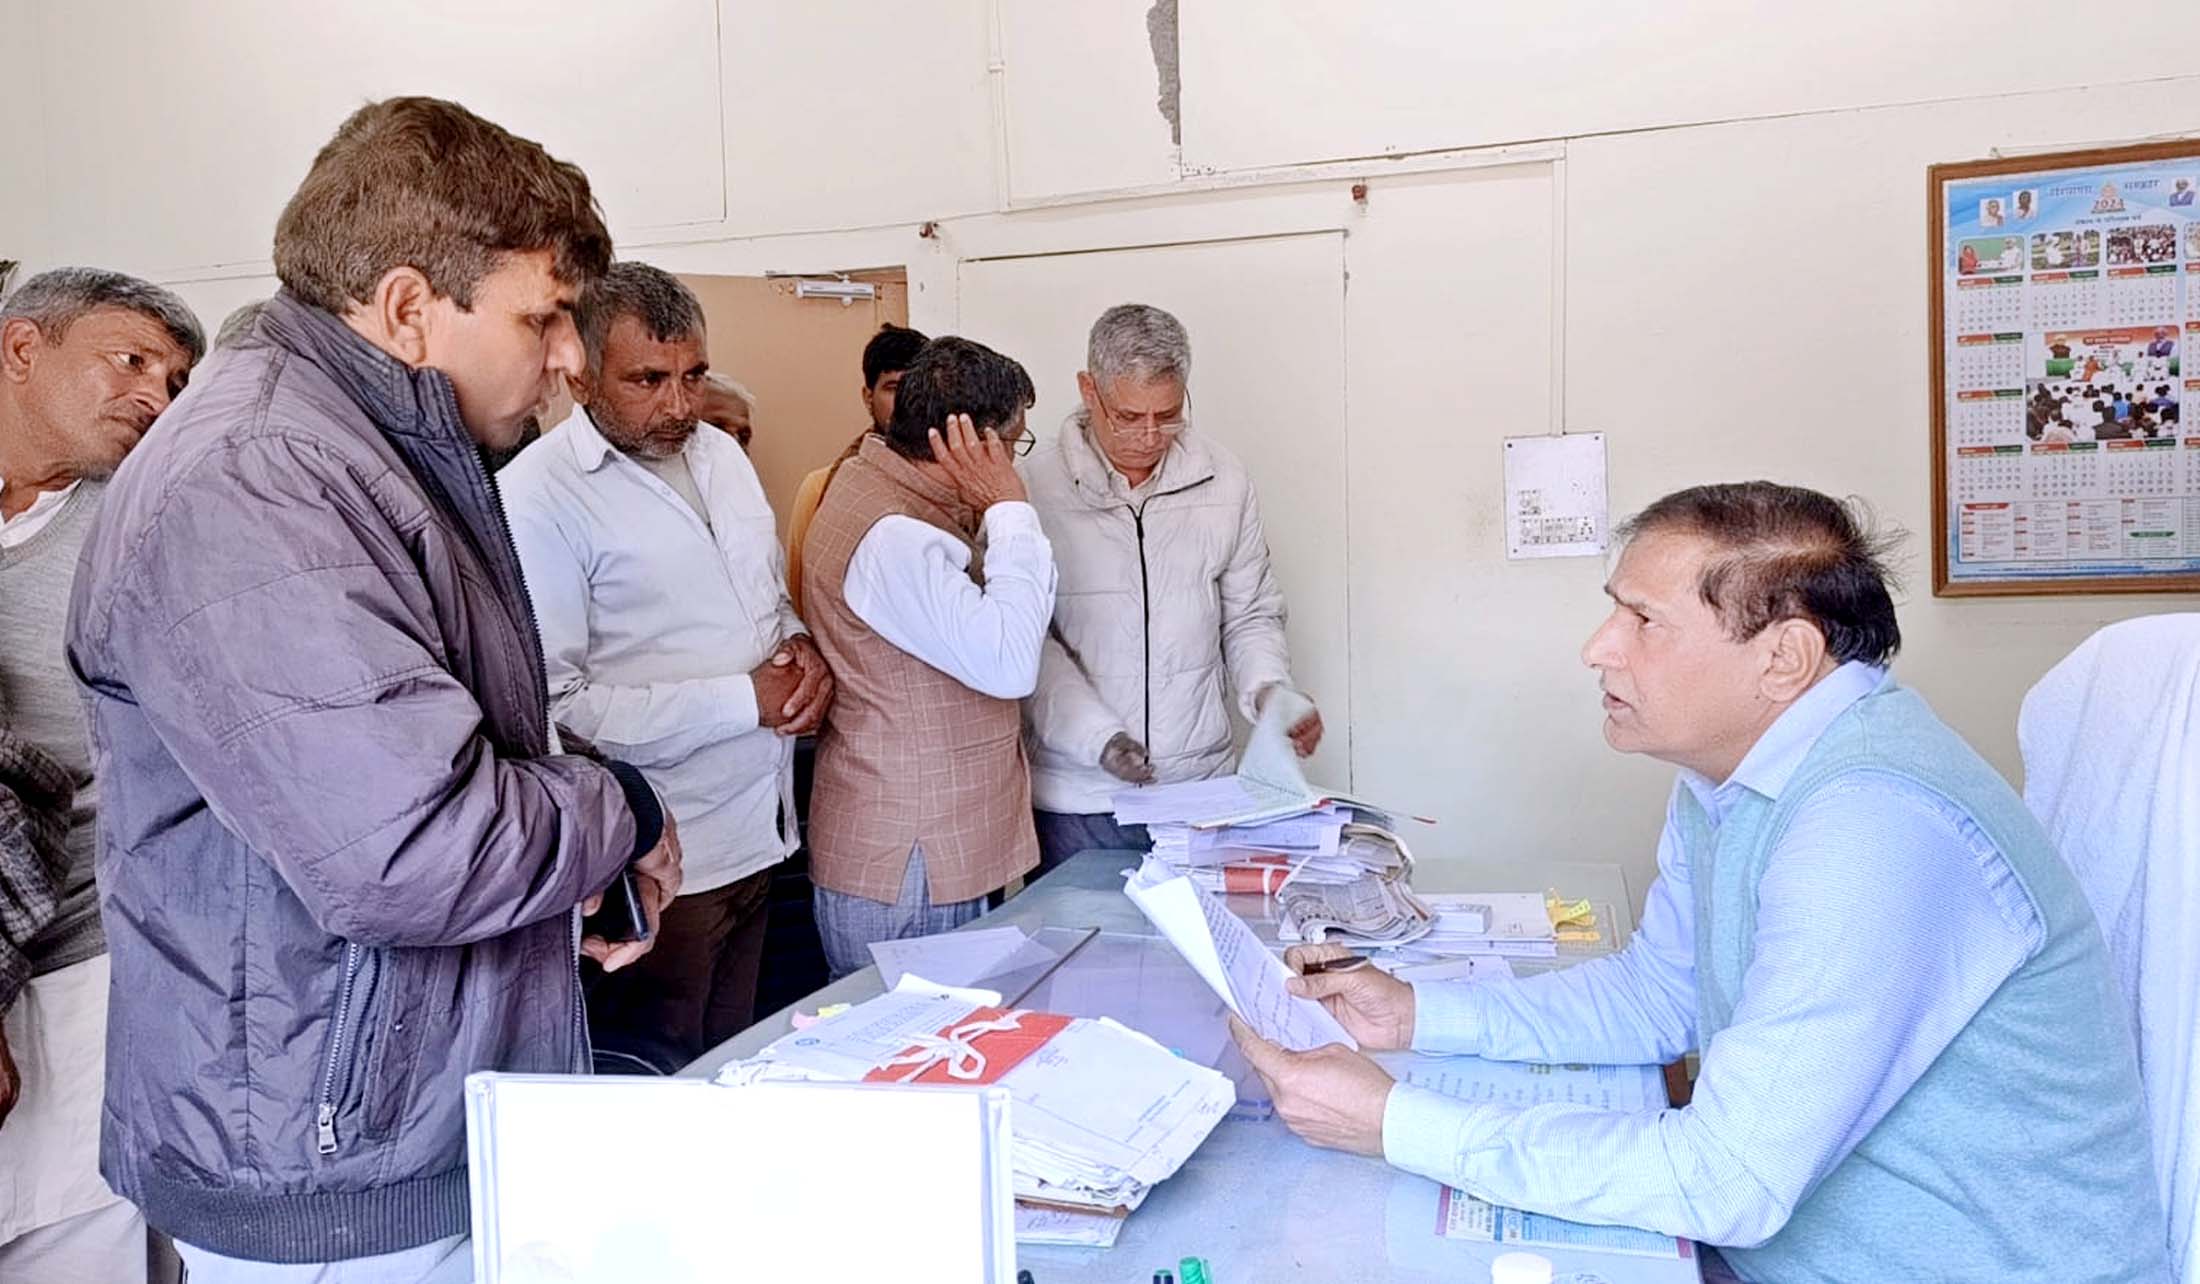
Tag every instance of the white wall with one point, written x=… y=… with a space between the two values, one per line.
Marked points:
x=1316 y=80
x=1779 y=256
x=22 y=159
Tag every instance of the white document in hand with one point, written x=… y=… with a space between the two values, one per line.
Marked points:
x=1269 y=784
x=1231 y=959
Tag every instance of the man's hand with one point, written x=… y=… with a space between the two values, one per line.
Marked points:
x=794 y=688
x=1306 y=733
x=1332 y=1096
x=981 y=466
x=1373 y=1006
x=1127 y=760
x=11 y=1083
x=657 y=881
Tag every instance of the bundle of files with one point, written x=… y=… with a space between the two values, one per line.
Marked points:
x=1512 y=925
x=1100 y=1113
x=1335 y=865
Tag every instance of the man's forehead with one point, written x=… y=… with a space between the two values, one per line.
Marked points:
x=1131 y=392
x=629 y=340
x=527 y=281
x=1658 y=566
x=110 y=324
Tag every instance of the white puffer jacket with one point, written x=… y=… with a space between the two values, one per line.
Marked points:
x=1165 y=608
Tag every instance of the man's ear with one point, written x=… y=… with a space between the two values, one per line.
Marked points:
x=20 y=344
x=400 y=311
x=1794 y=658
x=581 y=387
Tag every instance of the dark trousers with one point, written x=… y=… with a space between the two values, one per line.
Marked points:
x=1063 y=834
x=694 y=990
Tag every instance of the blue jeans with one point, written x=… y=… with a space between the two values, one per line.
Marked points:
x=847 y=924
x=1063 y=834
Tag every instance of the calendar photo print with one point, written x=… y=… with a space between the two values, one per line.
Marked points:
x=2064 y=301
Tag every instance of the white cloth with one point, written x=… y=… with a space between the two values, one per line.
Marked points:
x=49 y=1147
x=440 y=1261
x=108 y=1244
x=47 y=506
x=651 y=621
x=1168 y=614
x=910 y=582
x=2111 y=741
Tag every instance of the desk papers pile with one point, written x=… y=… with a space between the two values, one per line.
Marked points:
x=1335 y=866
x=1513 y=925
x=1100 y=1112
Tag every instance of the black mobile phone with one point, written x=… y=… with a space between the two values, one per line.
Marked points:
x=620 y=918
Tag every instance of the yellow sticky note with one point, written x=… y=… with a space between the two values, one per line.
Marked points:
x=1565 y=913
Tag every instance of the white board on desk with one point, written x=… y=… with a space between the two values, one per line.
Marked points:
x=580 y=1180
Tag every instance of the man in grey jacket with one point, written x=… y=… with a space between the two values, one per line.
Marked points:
x=340 y=851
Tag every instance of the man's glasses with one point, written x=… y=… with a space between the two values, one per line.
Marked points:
x=1133 y=423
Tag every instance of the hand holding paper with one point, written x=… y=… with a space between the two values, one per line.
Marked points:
x=1233 y=962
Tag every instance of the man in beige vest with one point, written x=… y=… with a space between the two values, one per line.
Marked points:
x=930 y=584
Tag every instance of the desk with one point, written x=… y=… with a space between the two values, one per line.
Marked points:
x=1313 y=1214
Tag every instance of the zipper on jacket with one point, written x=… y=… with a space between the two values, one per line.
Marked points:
x=532 y=645
x=1145 y=621
x=324 y=1118
x=1145 y=596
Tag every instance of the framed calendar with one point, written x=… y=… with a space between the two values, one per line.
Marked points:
x=2065 y=314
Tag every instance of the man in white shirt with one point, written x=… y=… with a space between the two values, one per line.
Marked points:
x=656 y=573
x=930 y=583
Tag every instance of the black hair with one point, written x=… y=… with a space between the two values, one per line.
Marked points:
x=893 y=348
x=956 y=376
x=1785 y=553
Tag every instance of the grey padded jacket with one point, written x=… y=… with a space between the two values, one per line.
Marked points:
x=337 y=859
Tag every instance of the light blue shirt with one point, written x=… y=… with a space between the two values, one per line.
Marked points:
x=1886 y=920
x=652 y=620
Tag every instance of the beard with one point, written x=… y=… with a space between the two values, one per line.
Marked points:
x=659 y=440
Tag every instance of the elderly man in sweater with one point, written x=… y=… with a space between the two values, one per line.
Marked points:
x=88 y=359
x=1168 y=615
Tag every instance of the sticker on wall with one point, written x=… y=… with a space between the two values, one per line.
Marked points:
x=1554 y=496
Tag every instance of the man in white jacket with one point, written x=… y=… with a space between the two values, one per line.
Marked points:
x=1167 y=613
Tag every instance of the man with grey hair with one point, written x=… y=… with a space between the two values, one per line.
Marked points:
x=88 y=359
x=1168 y=614
x=660 y=593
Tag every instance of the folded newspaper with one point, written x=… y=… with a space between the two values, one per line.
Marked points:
x=1100 y=1113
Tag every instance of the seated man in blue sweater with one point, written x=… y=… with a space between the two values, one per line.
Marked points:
x=1914 y=1065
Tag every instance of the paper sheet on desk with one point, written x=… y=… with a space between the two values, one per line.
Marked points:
x=1630 y=1089
x=1232 y=960
x=1462 y=1216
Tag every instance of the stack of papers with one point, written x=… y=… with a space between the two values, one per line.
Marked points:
x=1369 y=911
x=1101 y=1113
x=1335 y=865
x=1507 y=924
